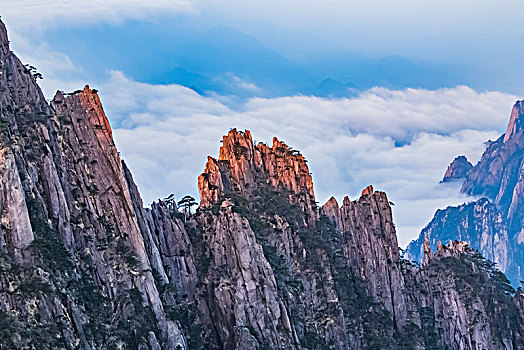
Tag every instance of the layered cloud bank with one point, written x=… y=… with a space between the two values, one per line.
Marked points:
x=399 y=141
x=51 y=13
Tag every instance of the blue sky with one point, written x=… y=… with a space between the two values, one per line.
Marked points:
x=382 y=92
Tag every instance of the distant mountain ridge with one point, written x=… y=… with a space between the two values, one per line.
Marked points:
x=206 y=59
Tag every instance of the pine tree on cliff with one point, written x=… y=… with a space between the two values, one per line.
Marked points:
x=186 y=203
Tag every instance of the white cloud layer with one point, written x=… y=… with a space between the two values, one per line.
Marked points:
x=399 y=141
x=43 y=14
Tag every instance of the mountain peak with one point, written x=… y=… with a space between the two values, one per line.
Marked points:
x=458 y=169
x=260 y=269
x=87 y=100
x=331 y=203
x=515 y=121
x=243 y=168
x=235 y=145
x=367 y=190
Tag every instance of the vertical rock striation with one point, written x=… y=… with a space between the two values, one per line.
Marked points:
x=479 y=223
x=371 y=248
x=69 y=225
x=458 y=306
x=498 y=175
x=339 y=280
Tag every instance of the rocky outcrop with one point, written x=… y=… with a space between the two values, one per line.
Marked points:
x=349 y=260
x=306 y=263
x=479 y=223
x=495 y=224
x=457 y=310
x=458 y=169
x=244 y=169
x=371 y=248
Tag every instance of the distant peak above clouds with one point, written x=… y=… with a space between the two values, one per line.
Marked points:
x=458 y=169
x=516 y=124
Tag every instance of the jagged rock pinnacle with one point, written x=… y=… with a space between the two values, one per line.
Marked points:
x=428 y=254
x=367 y=190
x=243 y=168
x=515 y=121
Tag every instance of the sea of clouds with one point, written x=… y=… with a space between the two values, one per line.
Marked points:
x=401 y=141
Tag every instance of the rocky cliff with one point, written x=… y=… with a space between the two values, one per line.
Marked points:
x=495 y=224
x=338 y=281
x=479 y=223
x=83 y=265
x=499 y=176
x=75 y=272
x=454 y=291
x=370 y=246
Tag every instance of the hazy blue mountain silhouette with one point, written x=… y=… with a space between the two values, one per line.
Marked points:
x=225 y=61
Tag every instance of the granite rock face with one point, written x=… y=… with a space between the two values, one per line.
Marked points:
x=479 y=223
x=458 y=169
x=74 y=265
x=83 y=265
x=498 y=175
x=339 y=281
x=497 y=231
x=455 y=298
x=515 y=121
x=244 y=168
x=371 y=248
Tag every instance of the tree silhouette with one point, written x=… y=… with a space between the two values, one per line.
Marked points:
x=186 y=203
x=170 y=201
x=32 y=70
